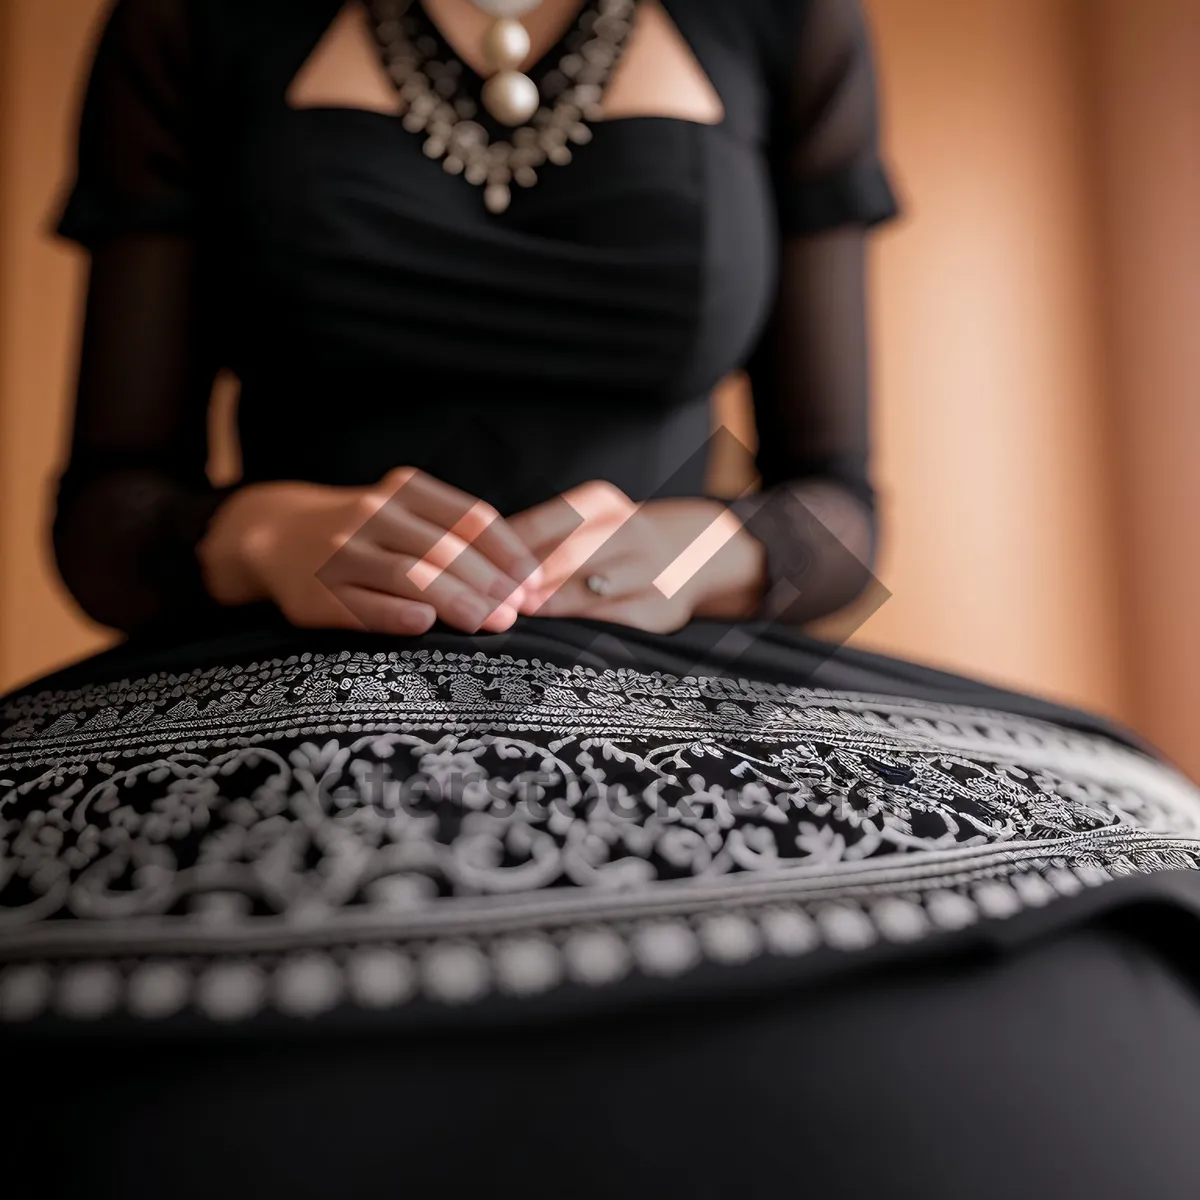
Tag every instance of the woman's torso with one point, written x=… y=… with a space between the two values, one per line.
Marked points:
x=378 y=315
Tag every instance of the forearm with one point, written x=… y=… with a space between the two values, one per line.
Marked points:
x=818 y=542
x=797 y=551
x=734 y=578
x=243 y=531
x=124 y=542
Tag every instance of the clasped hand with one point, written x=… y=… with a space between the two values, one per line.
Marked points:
x=663 y=562
x=397 y=557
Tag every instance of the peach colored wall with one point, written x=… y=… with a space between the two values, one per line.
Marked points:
x=39 y=284
x=1147 y=83
x=991 y=371
x=989 y=383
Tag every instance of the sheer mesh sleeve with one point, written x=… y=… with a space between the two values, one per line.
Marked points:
x=815 y=512
x=134 y=497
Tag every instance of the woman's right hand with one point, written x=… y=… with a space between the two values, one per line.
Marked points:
x=391 y=558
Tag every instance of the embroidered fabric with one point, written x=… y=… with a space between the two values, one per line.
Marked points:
x=382 y=831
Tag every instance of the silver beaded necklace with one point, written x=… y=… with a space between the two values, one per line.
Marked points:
x=546 y=119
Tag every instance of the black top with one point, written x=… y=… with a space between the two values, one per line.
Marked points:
x=377 y=315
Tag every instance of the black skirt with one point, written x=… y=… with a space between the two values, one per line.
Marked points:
x=264 y=826
x=1063 y=1067
x=579 y=910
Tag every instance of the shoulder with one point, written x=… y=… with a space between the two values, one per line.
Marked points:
x=813 y=47
x=203 y=50
x=761 y=22
x=780 y=35
x=772 y=21
x=821 y=28
x=177 y=26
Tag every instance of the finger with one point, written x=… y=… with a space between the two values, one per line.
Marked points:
x=610 y=534
x=623 y=575
x=466 y=517
x=437 y=550
x=379 y=612
x=576 y=555
x=646 y=610
x=502 y=619
x=627 y=554
x=455 y=602
x=545 y=526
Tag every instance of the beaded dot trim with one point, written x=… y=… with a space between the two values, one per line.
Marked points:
x=429 y=80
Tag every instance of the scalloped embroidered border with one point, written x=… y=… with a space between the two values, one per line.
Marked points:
x=307 y=981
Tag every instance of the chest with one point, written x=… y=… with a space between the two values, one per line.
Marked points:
x=645 y=262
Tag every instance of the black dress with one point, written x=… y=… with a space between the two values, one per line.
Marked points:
x=723 y=911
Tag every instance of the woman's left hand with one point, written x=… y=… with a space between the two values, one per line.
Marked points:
x=663 y=562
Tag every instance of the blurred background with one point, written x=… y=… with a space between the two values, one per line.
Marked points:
x=1037 y=348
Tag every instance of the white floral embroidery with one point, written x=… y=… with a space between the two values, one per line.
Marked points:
x=367 y=829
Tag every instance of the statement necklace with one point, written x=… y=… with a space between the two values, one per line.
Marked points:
x=544 y=118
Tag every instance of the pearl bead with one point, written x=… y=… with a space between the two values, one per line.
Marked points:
x=512 y=98
x=507 y=8
x=497 y=197
x=506 y=45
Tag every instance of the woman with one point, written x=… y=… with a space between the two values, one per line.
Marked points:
x=465 y=807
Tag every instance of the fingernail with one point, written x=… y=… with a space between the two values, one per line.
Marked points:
x=503 y=617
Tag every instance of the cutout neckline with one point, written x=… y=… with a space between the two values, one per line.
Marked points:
x=542 y=66
x=471 y=83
